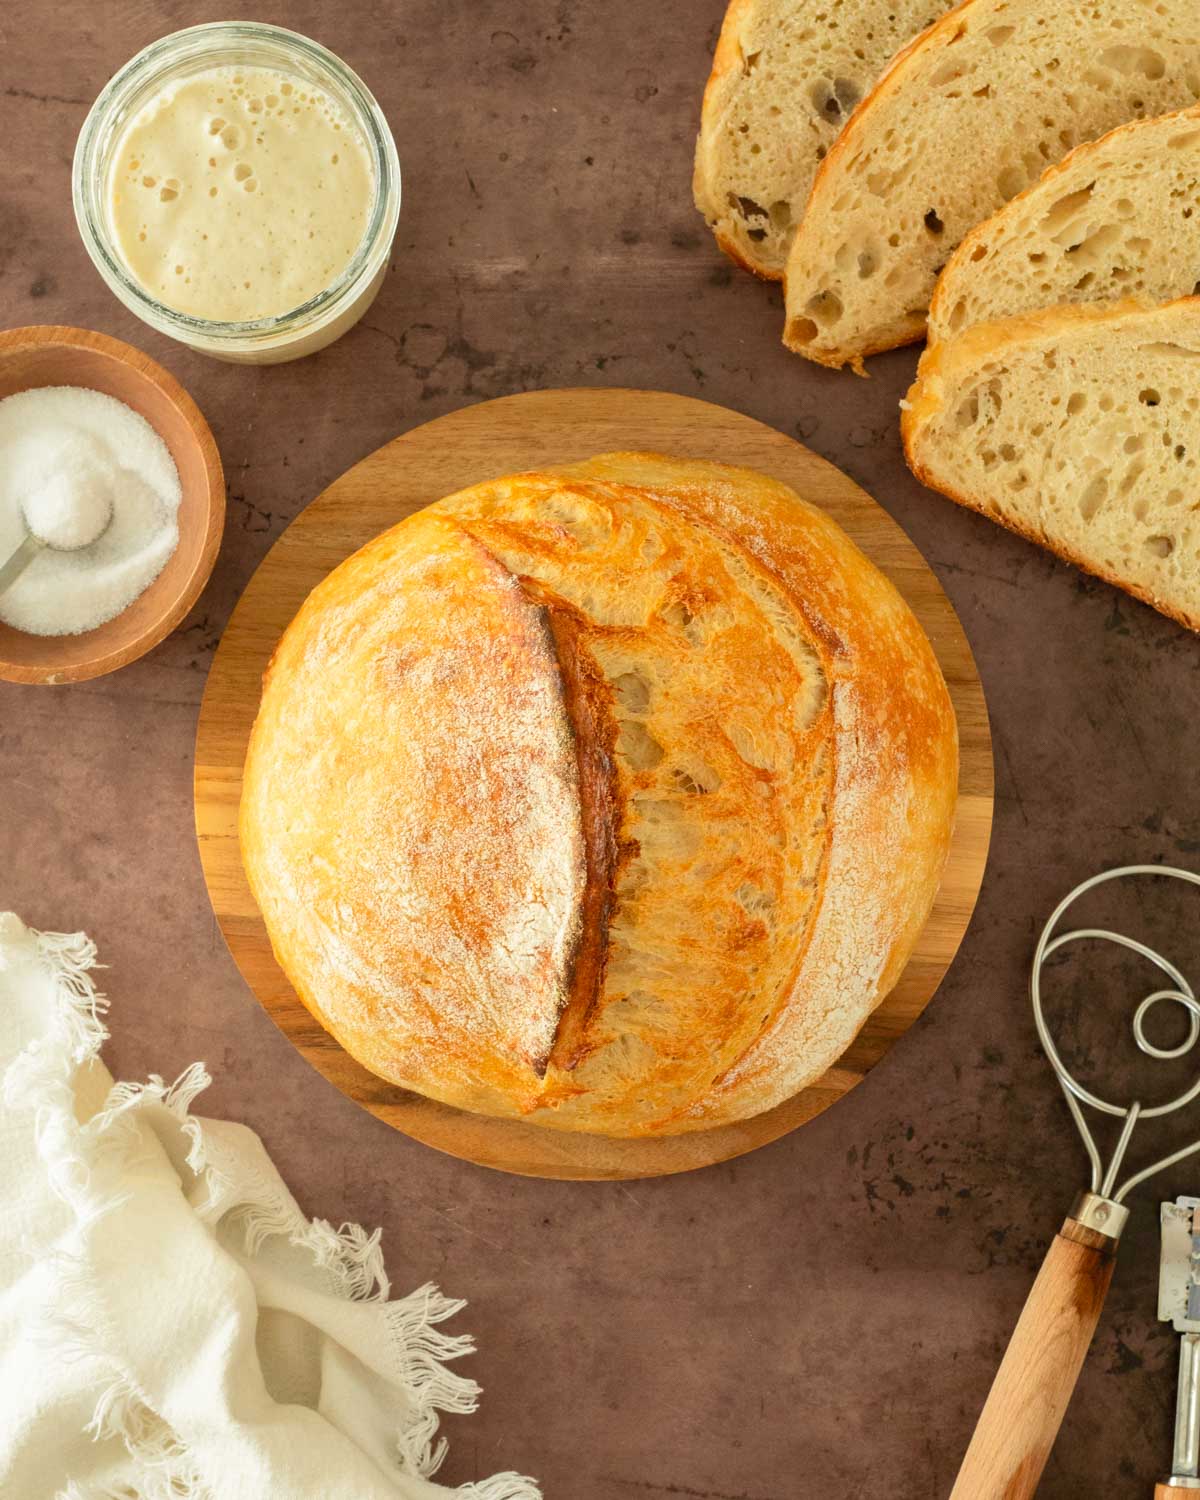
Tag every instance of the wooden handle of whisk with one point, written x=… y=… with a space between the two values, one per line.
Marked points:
x=1033 y=1385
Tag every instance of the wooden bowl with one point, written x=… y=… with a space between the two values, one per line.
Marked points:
x=35 y=357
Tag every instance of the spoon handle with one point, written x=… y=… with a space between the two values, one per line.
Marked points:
x=17 y=561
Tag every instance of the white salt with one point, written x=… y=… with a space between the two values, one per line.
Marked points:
x=68 y=458
x=70 y=502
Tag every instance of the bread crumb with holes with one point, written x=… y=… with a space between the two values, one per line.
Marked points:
x=1079 y=428
x=963 y=120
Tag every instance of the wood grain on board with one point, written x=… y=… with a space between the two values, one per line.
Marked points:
x=480 y=442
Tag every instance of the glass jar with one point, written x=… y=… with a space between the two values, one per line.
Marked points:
x=169 y=61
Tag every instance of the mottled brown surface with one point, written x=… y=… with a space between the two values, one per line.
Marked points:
x=821 y=1317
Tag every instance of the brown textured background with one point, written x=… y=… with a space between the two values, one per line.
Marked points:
x=821 y=1319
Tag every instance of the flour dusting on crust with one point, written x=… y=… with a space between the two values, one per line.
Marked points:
x=444 y=901
x=675 y=665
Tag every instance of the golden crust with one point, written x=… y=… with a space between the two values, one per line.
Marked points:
x=734 y=251
x=414 y=671
x=839 y=359
x=735 y=745
x=941 y=364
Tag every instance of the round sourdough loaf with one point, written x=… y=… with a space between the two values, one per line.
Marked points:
x=612 y=797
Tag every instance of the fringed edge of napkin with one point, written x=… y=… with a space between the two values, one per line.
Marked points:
x=352 y=1258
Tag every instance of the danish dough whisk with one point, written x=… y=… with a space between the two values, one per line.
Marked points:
x=1033 y=1385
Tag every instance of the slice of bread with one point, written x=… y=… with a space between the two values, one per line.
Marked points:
x=1118 y=217
x=785 y=76
x=1079 y=428
x=966 y=117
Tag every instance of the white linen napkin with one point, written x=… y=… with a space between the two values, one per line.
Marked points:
x=171 y=1326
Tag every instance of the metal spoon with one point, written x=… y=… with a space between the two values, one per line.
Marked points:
x=31 y=544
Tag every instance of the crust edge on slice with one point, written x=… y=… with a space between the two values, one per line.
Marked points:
x=785 y=82
x=910 y=330
x=941 y=364
x=1002 y=223
x=804 y=333
x=726 y=57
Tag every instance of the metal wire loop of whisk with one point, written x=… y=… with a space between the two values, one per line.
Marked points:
x=1180 y=992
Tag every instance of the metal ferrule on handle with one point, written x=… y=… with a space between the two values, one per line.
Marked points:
x=1103 y=1215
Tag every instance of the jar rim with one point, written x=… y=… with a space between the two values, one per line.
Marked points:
x=136 y=78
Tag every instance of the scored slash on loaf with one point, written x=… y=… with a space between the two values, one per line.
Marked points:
x=611 y=797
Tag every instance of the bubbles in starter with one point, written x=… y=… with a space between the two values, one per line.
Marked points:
x=257 y=150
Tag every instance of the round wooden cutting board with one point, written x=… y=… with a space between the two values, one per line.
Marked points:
x=482 y=442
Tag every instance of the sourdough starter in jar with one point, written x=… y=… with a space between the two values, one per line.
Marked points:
x=239 y=194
